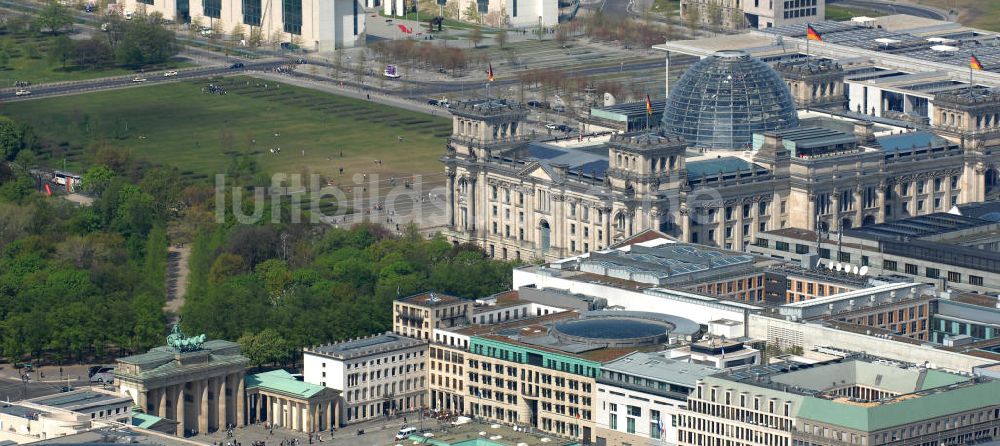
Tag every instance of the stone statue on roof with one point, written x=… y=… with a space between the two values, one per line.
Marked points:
x=177 y=341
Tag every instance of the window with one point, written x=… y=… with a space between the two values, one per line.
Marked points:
x=634 y=411
x=975 y=280
x=889 y=265
x=212 y=8
x=781 y=246
x=291 y=13
x=251 y=12
x=613 y=421
x=954 y=277
x=844 y=256
x=911 y=268
x=801 y=249
x=933 y=273
x=630 y=425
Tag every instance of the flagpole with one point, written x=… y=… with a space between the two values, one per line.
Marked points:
x=807 y=39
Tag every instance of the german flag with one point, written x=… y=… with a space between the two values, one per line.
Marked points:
x=649 y=106
x=489 y=73
x=974 y=63
x=811 y=34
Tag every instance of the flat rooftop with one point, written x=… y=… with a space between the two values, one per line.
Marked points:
x=659 y=368
x=429 y=299
x=20 y=411
x=916 y=227
x=365 y=346
x=120 y=435
x=79 y=399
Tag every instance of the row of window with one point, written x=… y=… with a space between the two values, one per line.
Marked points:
x=931 y=272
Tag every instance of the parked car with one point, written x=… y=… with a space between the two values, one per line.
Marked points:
x=433 y=102
x=22 y=92
x=169 y=73
x=301 y=61
x=138 y=79
x=103 y=375
x=289 y=46
x=559 y=108
x=565 y=128
x=236 y=66
x=552 y=126
x=535 y=104
x=405 y=433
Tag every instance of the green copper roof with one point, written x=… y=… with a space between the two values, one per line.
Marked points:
x=283 y=382
x=870 y=419
x=144 y=420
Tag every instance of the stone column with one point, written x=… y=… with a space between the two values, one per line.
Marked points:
x=738 y=230
x=238 y=398
x=309 y=427
x=221 y=400
x=450 y=205
x=258 y=406
x=180 y=411
x=947 y=192
x=327 y=412
x=913 y=198
x=835 y=198
x=720 y=227
x=880 y=199
x=202 y=399
x=685 y=224
x=811 y=210
x=859 y=206
x=161 y=402
x=143 y=399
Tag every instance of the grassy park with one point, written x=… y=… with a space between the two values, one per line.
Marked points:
x=180 y=124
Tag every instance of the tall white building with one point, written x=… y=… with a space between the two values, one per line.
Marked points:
x=312 y=24
x=378 y=375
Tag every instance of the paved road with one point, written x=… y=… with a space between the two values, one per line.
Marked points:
x=895 y=8
x=109 y=83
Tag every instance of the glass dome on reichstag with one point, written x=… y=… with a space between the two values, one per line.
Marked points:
x=723 y=99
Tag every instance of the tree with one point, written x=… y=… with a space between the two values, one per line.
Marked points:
x=472 y=12
x=145 y=42
x=226 y=265
x=264 y=347
x=97 y=179
x=239 y=32
x=739 y=22
x=93 y=52
x=11 y=137
x=476 y=36
x=501 y=38
x=55 y=17
x=218 y=31
x=562 y=35
x=450 y=10
x=61 y=50
x=195 y=26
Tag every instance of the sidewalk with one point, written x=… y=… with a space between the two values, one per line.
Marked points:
x=48 y=374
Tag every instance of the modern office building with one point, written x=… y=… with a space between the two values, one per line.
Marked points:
x=198 y=383
x=966 y=316
x=849 y=402
x=417 y=316
x=377 y=376
x=739 y=14
x=320 y=25
x=640 y=396
x=941 y=248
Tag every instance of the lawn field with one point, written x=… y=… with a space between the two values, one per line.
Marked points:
x=180 y=124
x=977 y=13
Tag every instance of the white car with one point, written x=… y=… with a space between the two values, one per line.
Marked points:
x=138 y=79
x=169 y=73
x=552 y=126
x=22 y=92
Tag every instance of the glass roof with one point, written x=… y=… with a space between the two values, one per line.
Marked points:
x=725 y=98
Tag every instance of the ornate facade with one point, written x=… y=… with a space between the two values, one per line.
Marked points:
x=521 y=200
